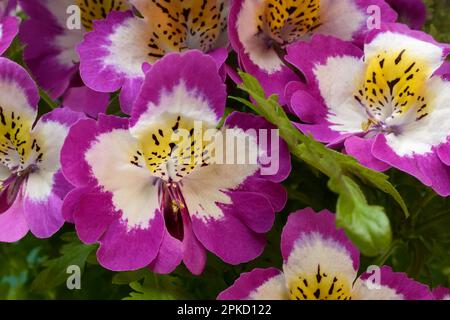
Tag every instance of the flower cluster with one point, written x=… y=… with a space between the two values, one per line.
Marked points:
x=173 y=171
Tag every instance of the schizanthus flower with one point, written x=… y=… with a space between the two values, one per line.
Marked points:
x=32 y=186
x=321 y=263
x=152 y=201
x=385 y=105
x=260 y=30
x=51 y=35
x=120 y=45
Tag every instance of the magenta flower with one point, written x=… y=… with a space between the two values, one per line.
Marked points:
x=385 y=106
x=146 y=206
x=51 y=39
x=259 y=29
x=32 y=186
x=320 y=263
x=441 y=293
x=120 y=45
x=9 y=25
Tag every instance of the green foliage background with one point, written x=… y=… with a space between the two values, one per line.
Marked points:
x=416 y=241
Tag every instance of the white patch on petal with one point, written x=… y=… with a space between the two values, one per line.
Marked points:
x=419 y=137
x=273 y=289
x=338 y=80
x=14 y=99
x=67 y=43
x=254 y=47
x=128 y=49
x=340 y=18
x=395 y=42
x=39 y=185
x=50 y=136
x=134 y=190
x=1 y=31
x=312 y=250
x=205 y=187
x=365 y=290
x=180 y=101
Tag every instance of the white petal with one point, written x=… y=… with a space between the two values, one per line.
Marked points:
x=418 y=137
x=431 y=54
x=274 y=288
x=180 y=101
x=133 y=188
x=128 y=49
x=247 y=28
x=50 y=136
x=314 y=250
x=364 y=290
x=340 y=18
x=204 y=188
x=338 y=81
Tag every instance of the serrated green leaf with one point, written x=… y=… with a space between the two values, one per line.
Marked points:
x=55 y=273
x=157 y=287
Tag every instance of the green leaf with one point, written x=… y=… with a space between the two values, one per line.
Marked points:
x=157 y=287
x=72 y=253
x=128 y=277
x=367 y=226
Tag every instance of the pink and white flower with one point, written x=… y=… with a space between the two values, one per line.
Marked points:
x=321 y=263
x=260 y=30
x=32 y=186
x=144 y=203
x=114 y=55
x=385 y=105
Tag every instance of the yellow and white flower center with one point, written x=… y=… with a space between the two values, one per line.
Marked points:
x=394 y=89
x=92 y=10
x=179 y=26
x=285 y=21
x=320 y=286
x=17 y=145
x=173 y=147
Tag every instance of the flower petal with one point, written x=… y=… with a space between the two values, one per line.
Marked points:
x=123 y=249
x=441 y=293
x=361 y=149
x=13 y=225
x=169 y=256
x=259 y=284
x=18 y=91
x=43 y=215
x=392 y=286
x=83 y=99
x=274 y=158
x=79 y=140
x=115 y=50
x=9 y=27
x=181 y=84
x=229 y=238
x=316 y=251
x=50 y=45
